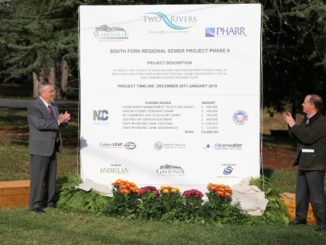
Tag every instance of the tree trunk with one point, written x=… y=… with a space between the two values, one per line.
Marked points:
x=52 y=80
x=35 y=85
x=37 y=78
x=51 y=77
x=64 y=76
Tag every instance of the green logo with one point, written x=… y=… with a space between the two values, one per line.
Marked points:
x=168 y=169
x=114 y=170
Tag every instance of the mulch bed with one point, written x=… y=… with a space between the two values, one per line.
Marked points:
x=278 y=158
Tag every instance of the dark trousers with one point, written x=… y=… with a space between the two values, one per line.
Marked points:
x=43 y=180
x=310 y=187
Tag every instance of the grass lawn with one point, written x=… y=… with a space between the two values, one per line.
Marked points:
x=19 y=226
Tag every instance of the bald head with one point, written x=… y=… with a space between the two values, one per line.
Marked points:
x=317 y=101
x=312 y=103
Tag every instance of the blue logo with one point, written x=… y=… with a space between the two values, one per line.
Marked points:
x=210 y=32
x=225 y=31
x=172 y=22
x=228 y=170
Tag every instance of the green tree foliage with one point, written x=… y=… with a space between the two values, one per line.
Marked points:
x=294 y=52
x=36 y=34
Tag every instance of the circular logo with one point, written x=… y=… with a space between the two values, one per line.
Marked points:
x=130 y=145
x=158 y=145
x=240 y=117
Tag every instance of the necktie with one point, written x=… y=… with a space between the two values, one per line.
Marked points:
x=51 y=111
x=307 y=122
x=57 y=137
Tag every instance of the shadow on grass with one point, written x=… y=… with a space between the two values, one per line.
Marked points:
x=70 y=134
x=13 y=116
x=280 y=139
x=22 y=89
x=14 y=124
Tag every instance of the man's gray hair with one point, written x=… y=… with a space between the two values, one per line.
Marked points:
x=42 y=85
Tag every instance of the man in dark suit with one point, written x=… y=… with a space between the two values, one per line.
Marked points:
x=45 y=141
x=311 y=159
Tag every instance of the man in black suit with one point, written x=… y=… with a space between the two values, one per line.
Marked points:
x=44 y=122
x=311 y=159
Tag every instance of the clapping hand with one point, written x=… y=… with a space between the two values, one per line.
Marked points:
x=64 y=118
x=289 y=119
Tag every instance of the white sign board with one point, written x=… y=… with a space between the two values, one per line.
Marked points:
x=170 y=94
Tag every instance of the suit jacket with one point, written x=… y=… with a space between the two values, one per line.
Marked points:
x=311 y=139
x=43 y=129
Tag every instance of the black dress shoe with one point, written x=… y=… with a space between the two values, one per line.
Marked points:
x=51 y=205
x=38 y=210
x=298 y=222
x=321 y=228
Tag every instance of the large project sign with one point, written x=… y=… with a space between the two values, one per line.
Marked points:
x=170 y=94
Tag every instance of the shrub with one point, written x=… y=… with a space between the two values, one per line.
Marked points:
x=169 y=205
x=125 y=199
x=193 y=204
x=172 y=203
x=276 y=212
x=71 y=198
x=150 y=204
x=219 y=207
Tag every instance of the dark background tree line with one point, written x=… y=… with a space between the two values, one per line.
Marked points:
x=39 y=39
